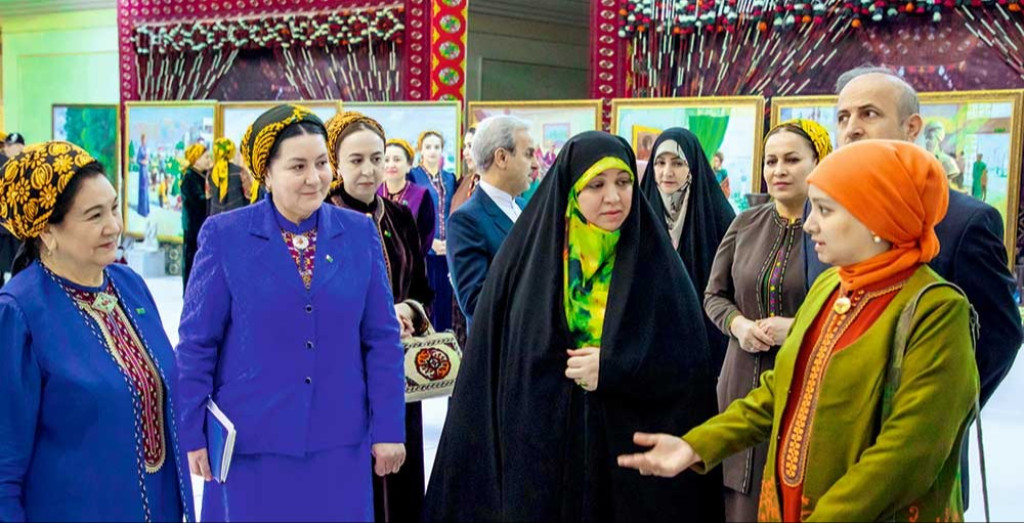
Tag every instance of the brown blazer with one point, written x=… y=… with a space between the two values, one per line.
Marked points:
x=736 y=287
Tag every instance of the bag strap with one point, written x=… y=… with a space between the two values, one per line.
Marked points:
x=895 y=370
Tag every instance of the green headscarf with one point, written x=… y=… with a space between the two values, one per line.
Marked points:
x=589 y=260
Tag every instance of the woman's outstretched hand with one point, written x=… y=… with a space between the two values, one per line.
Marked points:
x=669 y=455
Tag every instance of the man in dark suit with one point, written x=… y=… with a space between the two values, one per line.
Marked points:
x=503 y=151
x=874 y=103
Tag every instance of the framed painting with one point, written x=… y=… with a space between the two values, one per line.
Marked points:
x=976 y=135
x=728 y=128
x=552 y=123
x=95 y=128
x=156 y=135
x=233 y=118
x=408 y=120
x=821 y=109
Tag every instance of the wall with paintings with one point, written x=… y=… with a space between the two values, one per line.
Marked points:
x=95 y=128
x=56 y=58
x=732 y=126
x=234 y=118
x=408 y=120
x=552 y=123
x=156 y=137
x=977 y=136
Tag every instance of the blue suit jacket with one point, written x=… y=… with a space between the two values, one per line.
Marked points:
x=419 y=176
x=475 y=233
x=67 y=426
x=296 y=371
x=972 y=256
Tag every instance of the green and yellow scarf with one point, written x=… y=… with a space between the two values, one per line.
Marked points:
x=589 y=260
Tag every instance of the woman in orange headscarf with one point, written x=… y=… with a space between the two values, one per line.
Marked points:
x=865 y=411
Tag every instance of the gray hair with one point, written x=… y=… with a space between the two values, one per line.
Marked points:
x=493 y=133
x=909 y=104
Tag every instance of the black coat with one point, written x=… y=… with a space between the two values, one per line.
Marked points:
x=524 y=443
x=708 y=217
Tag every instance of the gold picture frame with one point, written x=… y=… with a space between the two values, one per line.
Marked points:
x=397 y=120
x=158 y=116
x=959 y=114
x=552 y=122
x=115 y=164
x=634 y=117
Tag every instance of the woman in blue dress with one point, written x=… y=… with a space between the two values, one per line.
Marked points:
x=87 y=427
x=289 y=327
x=142 y=158
x=441 y=186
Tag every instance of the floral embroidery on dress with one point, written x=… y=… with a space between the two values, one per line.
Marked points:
x=128 y=351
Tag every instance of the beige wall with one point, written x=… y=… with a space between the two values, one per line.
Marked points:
x=60 y=57
x=519 y=59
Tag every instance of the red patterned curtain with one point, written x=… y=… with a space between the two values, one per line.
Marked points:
x=191 y=49
x=185 y=60
x=999 y=28
x=791 y=47
x=343 y=73
x=182 y=75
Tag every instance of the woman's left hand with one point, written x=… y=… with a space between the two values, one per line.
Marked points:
x=584 y=367
x=388 y=458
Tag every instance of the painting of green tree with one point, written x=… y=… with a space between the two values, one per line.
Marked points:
x=93 y=128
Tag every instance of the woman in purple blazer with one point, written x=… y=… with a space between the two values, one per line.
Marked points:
x=398 y=156
x=289 y=326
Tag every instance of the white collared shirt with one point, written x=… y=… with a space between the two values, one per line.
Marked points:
x=505 y=201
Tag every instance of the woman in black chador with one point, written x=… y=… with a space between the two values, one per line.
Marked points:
x=581 y=337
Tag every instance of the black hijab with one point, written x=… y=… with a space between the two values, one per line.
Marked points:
x=521 y=441
x=708 y=216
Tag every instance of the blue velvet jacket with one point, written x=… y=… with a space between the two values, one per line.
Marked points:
x=295 y=370
x=69 y=442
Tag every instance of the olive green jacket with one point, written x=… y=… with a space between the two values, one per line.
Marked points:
x=907 y=469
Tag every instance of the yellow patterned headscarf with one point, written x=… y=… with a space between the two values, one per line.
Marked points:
x=261 y=136
x=336 y=127
x=193 y=153
x=31 y=183
x=398 y=142
x=589 y=261
x=820 y=139
x=223 y=151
